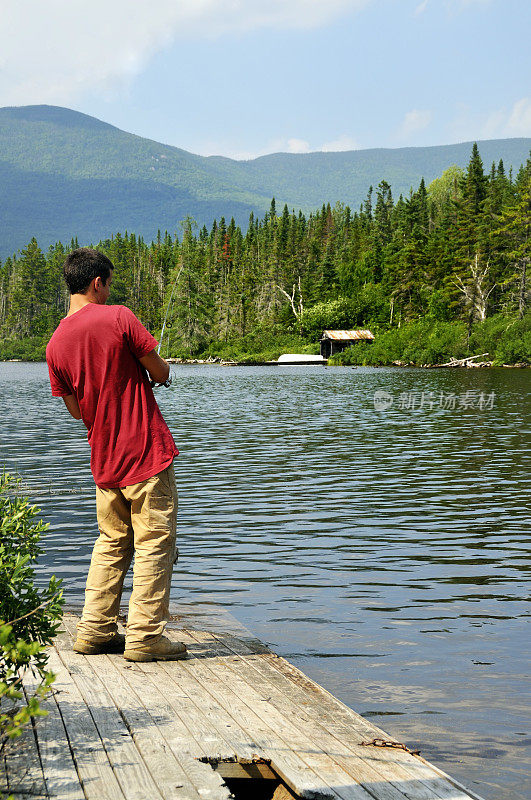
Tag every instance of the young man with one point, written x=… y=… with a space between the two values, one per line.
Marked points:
x=99 y=359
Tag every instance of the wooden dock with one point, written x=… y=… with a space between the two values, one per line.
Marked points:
x=233 y=720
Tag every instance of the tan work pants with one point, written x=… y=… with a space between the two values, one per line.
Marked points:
x=141 y=520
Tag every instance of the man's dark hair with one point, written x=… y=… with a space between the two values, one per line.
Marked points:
x=82 y=266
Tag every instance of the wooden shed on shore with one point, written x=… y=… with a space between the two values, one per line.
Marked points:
x=333 y=342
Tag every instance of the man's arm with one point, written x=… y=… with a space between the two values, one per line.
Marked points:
x=72 y=405
x=158 y=369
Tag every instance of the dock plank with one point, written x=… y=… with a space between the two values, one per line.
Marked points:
x=175 y=770
x=305 y=768
x=393 y=782
x=124 y=756
x=96 y=773
x=215 y=736
x=61 y=776
x=381 y=767
x=340 y=718
x=23 y=767
x=289 y=701
x=349 y=728
x=151 y=731
x=179 y=738
x=3 y=774
x=236 y=713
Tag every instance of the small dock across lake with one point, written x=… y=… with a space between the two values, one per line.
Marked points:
x=232 y=720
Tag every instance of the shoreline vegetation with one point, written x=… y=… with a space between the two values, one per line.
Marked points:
x=30 y=616
x=439 y=275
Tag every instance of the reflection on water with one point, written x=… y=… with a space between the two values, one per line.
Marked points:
x=383 y=552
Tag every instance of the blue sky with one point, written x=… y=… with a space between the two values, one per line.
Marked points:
x=247 y=77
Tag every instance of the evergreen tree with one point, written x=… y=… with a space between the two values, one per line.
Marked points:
x=458 y=250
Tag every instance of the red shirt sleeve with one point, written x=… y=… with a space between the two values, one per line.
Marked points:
x=140 y=341
x=60 y=387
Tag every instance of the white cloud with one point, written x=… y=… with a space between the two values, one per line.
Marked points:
x=342 y=143
x=291 y=145
x=468 y=125
x=237 y=155
x=54 y=51
x=498 y=124
x=519 y=122
x=279 y=145
x=415 y=121
x=298 y=146
x=421 y=7
x=451 y=5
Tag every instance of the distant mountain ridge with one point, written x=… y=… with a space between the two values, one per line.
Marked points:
x=64 y=174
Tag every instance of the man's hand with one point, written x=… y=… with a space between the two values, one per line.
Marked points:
x=158 y=369
x=72 y=405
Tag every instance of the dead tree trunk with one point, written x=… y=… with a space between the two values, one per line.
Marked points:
x=296 y=307
x=522 y=295
x=475 y=291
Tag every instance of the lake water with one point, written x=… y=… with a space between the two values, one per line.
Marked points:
x=382 y=551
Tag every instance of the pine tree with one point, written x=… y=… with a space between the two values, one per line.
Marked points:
x=514 y=237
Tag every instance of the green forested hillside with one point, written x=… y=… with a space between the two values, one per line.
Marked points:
x=63 y=173
x=443 y=272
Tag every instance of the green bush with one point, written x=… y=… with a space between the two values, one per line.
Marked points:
x=368 y=308
x=434 y=342
x=506 y=339
x=514 y=351
x=31 y=348
x=338 y=314
x=423 y=341
x=262 y=345
x=29 y=617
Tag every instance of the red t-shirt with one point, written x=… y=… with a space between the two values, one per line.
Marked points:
x=93 y=355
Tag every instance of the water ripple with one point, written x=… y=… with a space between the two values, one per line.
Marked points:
x=385 y=553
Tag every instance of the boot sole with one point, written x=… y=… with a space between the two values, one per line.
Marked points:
x=94 y=650
x=138 y=655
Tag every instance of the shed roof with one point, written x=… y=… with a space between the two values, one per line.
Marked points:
x=347 y=336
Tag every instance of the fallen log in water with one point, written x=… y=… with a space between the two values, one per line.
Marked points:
x=467 y=362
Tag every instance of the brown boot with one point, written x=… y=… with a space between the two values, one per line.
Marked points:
x=162 y=650
x=114 y=645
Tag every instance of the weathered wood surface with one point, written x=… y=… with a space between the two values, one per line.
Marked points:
x=122 y=731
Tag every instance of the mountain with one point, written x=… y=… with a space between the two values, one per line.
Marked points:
x=64 y=174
